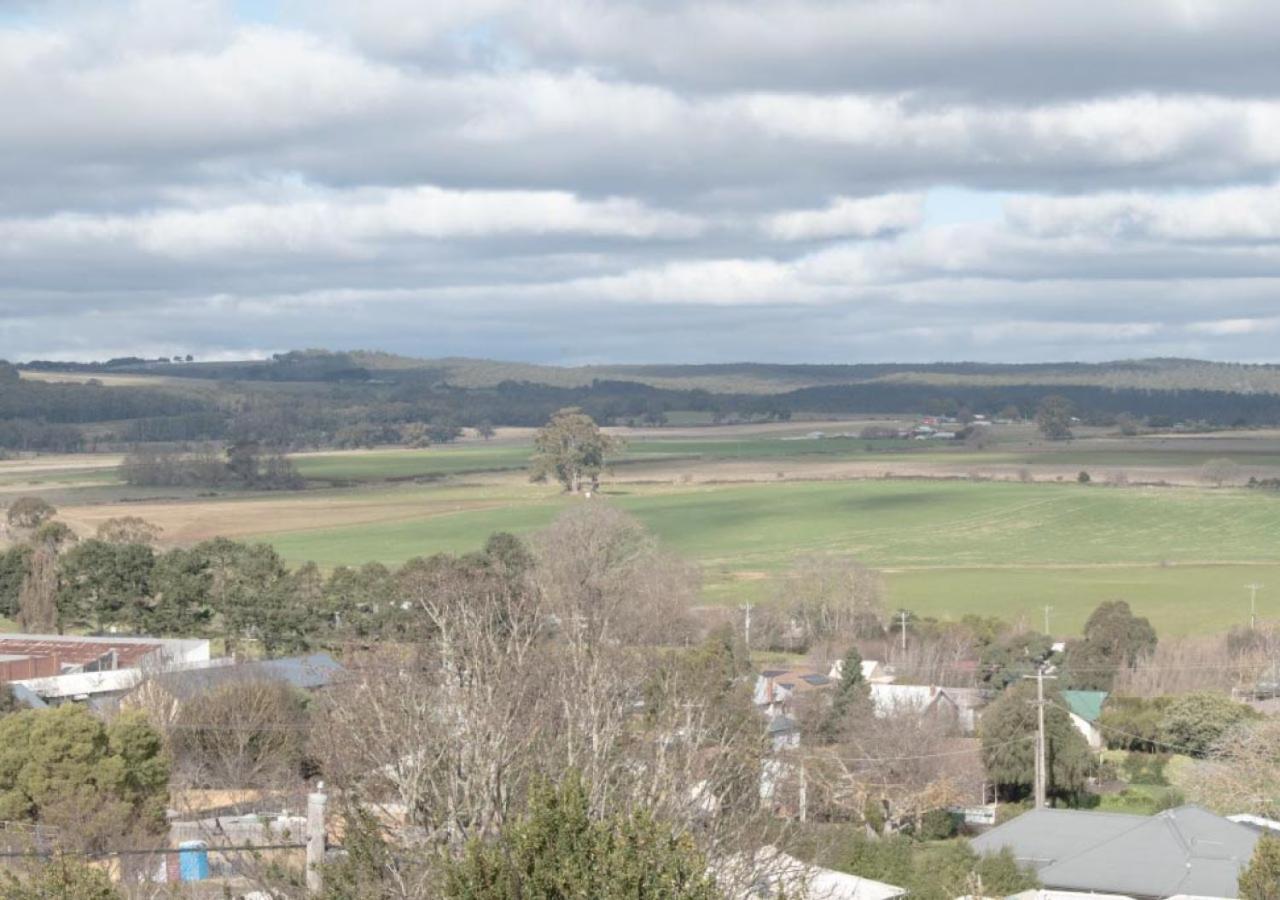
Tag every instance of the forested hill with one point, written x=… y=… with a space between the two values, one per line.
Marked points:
x=317 y=398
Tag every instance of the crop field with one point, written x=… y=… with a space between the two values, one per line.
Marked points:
x=954 y=531
x=1179 y=555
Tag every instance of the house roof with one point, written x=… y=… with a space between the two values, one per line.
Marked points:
x=1187 y=850
x=776 y=873
x=25 y=695
x=304 y=672
x=782 y=724
x=1085 y=704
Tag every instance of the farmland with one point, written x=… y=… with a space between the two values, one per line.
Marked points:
x=1000 y=530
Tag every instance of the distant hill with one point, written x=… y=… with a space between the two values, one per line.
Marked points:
x=768 y=378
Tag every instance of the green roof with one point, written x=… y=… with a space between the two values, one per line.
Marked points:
x=1085 y=704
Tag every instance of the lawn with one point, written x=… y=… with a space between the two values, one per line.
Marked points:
x=948 y=547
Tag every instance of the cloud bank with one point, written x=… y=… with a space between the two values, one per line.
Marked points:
x=641 y=181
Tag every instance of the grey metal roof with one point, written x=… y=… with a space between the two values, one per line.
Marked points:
x=1187 y=850
x=25 y=695
x=304 y=672
x=781 y=724
x=1041 y=837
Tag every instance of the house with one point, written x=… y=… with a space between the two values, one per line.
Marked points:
x=772 y=873
x=776 y=688
x=960 y=704
x=60 y=668
x=1187 y=850
x=1085 y=708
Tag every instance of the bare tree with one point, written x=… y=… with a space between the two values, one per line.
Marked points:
x=1241 y=774
x=831 y=598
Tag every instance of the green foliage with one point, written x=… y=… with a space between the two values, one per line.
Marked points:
x=1084 y=477
x=1134 y=723
x=61 y=878
x=1053 y=418
x=370 y=868
x=852 y=695
x=570 y=448
x=1008 y=729
x=1145 y=768
x=63 y=767
x=105 y=584
x=559 y=850
x=1261 y=879
x=15 y=563
x=937 y=825
x=1194 y=723
x=940 y=871
x=1004 y=662
x=1113 y=638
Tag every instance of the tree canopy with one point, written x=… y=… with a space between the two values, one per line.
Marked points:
x=557 y=850
x=1114 y=638
x=571 y=448
x=1008 y=744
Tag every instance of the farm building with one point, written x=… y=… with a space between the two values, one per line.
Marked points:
x=61 y=668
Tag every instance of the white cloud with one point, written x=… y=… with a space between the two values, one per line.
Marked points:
x=350 y=222
x=849 y=217
x=1245 y=215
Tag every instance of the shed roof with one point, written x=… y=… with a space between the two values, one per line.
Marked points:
x=304 y=672
x=1085 y=704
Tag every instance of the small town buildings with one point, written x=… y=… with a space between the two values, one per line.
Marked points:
x=873 y=671
x=962 y=705
x=66 y=668
x=1183 y=851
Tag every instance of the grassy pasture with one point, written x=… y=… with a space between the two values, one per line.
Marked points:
x=948 y=547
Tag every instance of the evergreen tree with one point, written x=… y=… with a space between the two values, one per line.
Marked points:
x=1261 y=879
x=1008 y=744
x=558 y=851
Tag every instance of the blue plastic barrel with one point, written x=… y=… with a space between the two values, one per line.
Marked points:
x=193 y=860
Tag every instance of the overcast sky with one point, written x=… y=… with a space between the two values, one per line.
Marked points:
x=641 y=180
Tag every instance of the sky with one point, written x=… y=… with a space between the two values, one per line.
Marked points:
x=584 y=181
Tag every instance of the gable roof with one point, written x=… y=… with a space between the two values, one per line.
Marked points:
x=1085 y=704
x=1187 y=850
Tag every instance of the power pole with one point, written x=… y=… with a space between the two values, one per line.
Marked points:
x=1042 y=775
x=746 y=624
x=1047 y=610
x=315 y=841
x=903 y=615
x=1253 y=604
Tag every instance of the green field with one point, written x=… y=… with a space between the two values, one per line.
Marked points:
x=462 y=459
x=948 y=547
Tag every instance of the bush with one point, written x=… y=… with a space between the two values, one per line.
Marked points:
x=937 y=825
x=1083 y=477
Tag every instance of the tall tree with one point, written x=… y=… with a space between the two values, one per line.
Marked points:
x=571 y=448
x=1008 y=744
x=852 y=695
x=1114 y=638
x=1053 y=418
